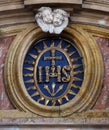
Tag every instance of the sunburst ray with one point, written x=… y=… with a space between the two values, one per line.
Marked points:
x=29 y=81
x=60 y=101
x=77 y=79
x=40 y=99
x=66 y=48
x=77 y=66
x=60 y=44
x=38 y=50
x=71 y=92
x=28 y=75
x=78 y=72
x=46 y=102
x=29 y=68
x=44 y=45
x=33 y=56
x=75 y=86
x=52 y=44
x=72 y=53
x=66 y=97
x=76 y=59
x=53 y=102
x=35 y=94
x=31 y=88
x=30 y=62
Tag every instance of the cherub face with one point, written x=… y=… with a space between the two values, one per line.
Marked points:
x=58 y=19
x=47 y=16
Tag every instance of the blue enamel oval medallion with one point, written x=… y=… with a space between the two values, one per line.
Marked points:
x=53 y=71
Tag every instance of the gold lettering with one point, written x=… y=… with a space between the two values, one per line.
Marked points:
x=67 y=76
x=56 y=73
x=40 y=74
x=47 y=73
x=59 y=73
x=53 y=74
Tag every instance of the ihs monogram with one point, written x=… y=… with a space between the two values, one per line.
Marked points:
x=53 y=69
x=52 y=73
x=55 y=73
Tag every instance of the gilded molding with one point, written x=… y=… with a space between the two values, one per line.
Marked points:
x=93 y=76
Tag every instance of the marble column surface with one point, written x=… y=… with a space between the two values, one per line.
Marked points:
x=103 y=100
x=5 y=104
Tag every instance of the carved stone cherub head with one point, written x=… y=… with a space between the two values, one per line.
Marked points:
x=52 y=21
x=59 y=17
x=46 y=14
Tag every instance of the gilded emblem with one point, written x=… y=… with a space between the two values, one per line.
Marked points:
x=53 y=71
x=52 y=76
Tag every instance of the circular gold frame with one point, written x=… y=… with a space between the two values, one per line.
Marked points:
x=93 y=73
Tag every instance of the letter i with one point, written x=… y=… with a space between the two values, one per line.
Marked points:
x=40 y=74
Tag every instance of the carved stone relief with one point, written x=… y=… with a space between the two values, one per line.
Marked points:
x=52 y=21
x=51 y=104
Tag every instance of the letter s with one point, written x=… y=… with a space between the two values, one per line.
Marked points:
x=67 y=76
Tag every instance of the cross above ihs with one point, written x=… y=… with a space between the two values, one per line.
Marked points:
x=53 y=58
